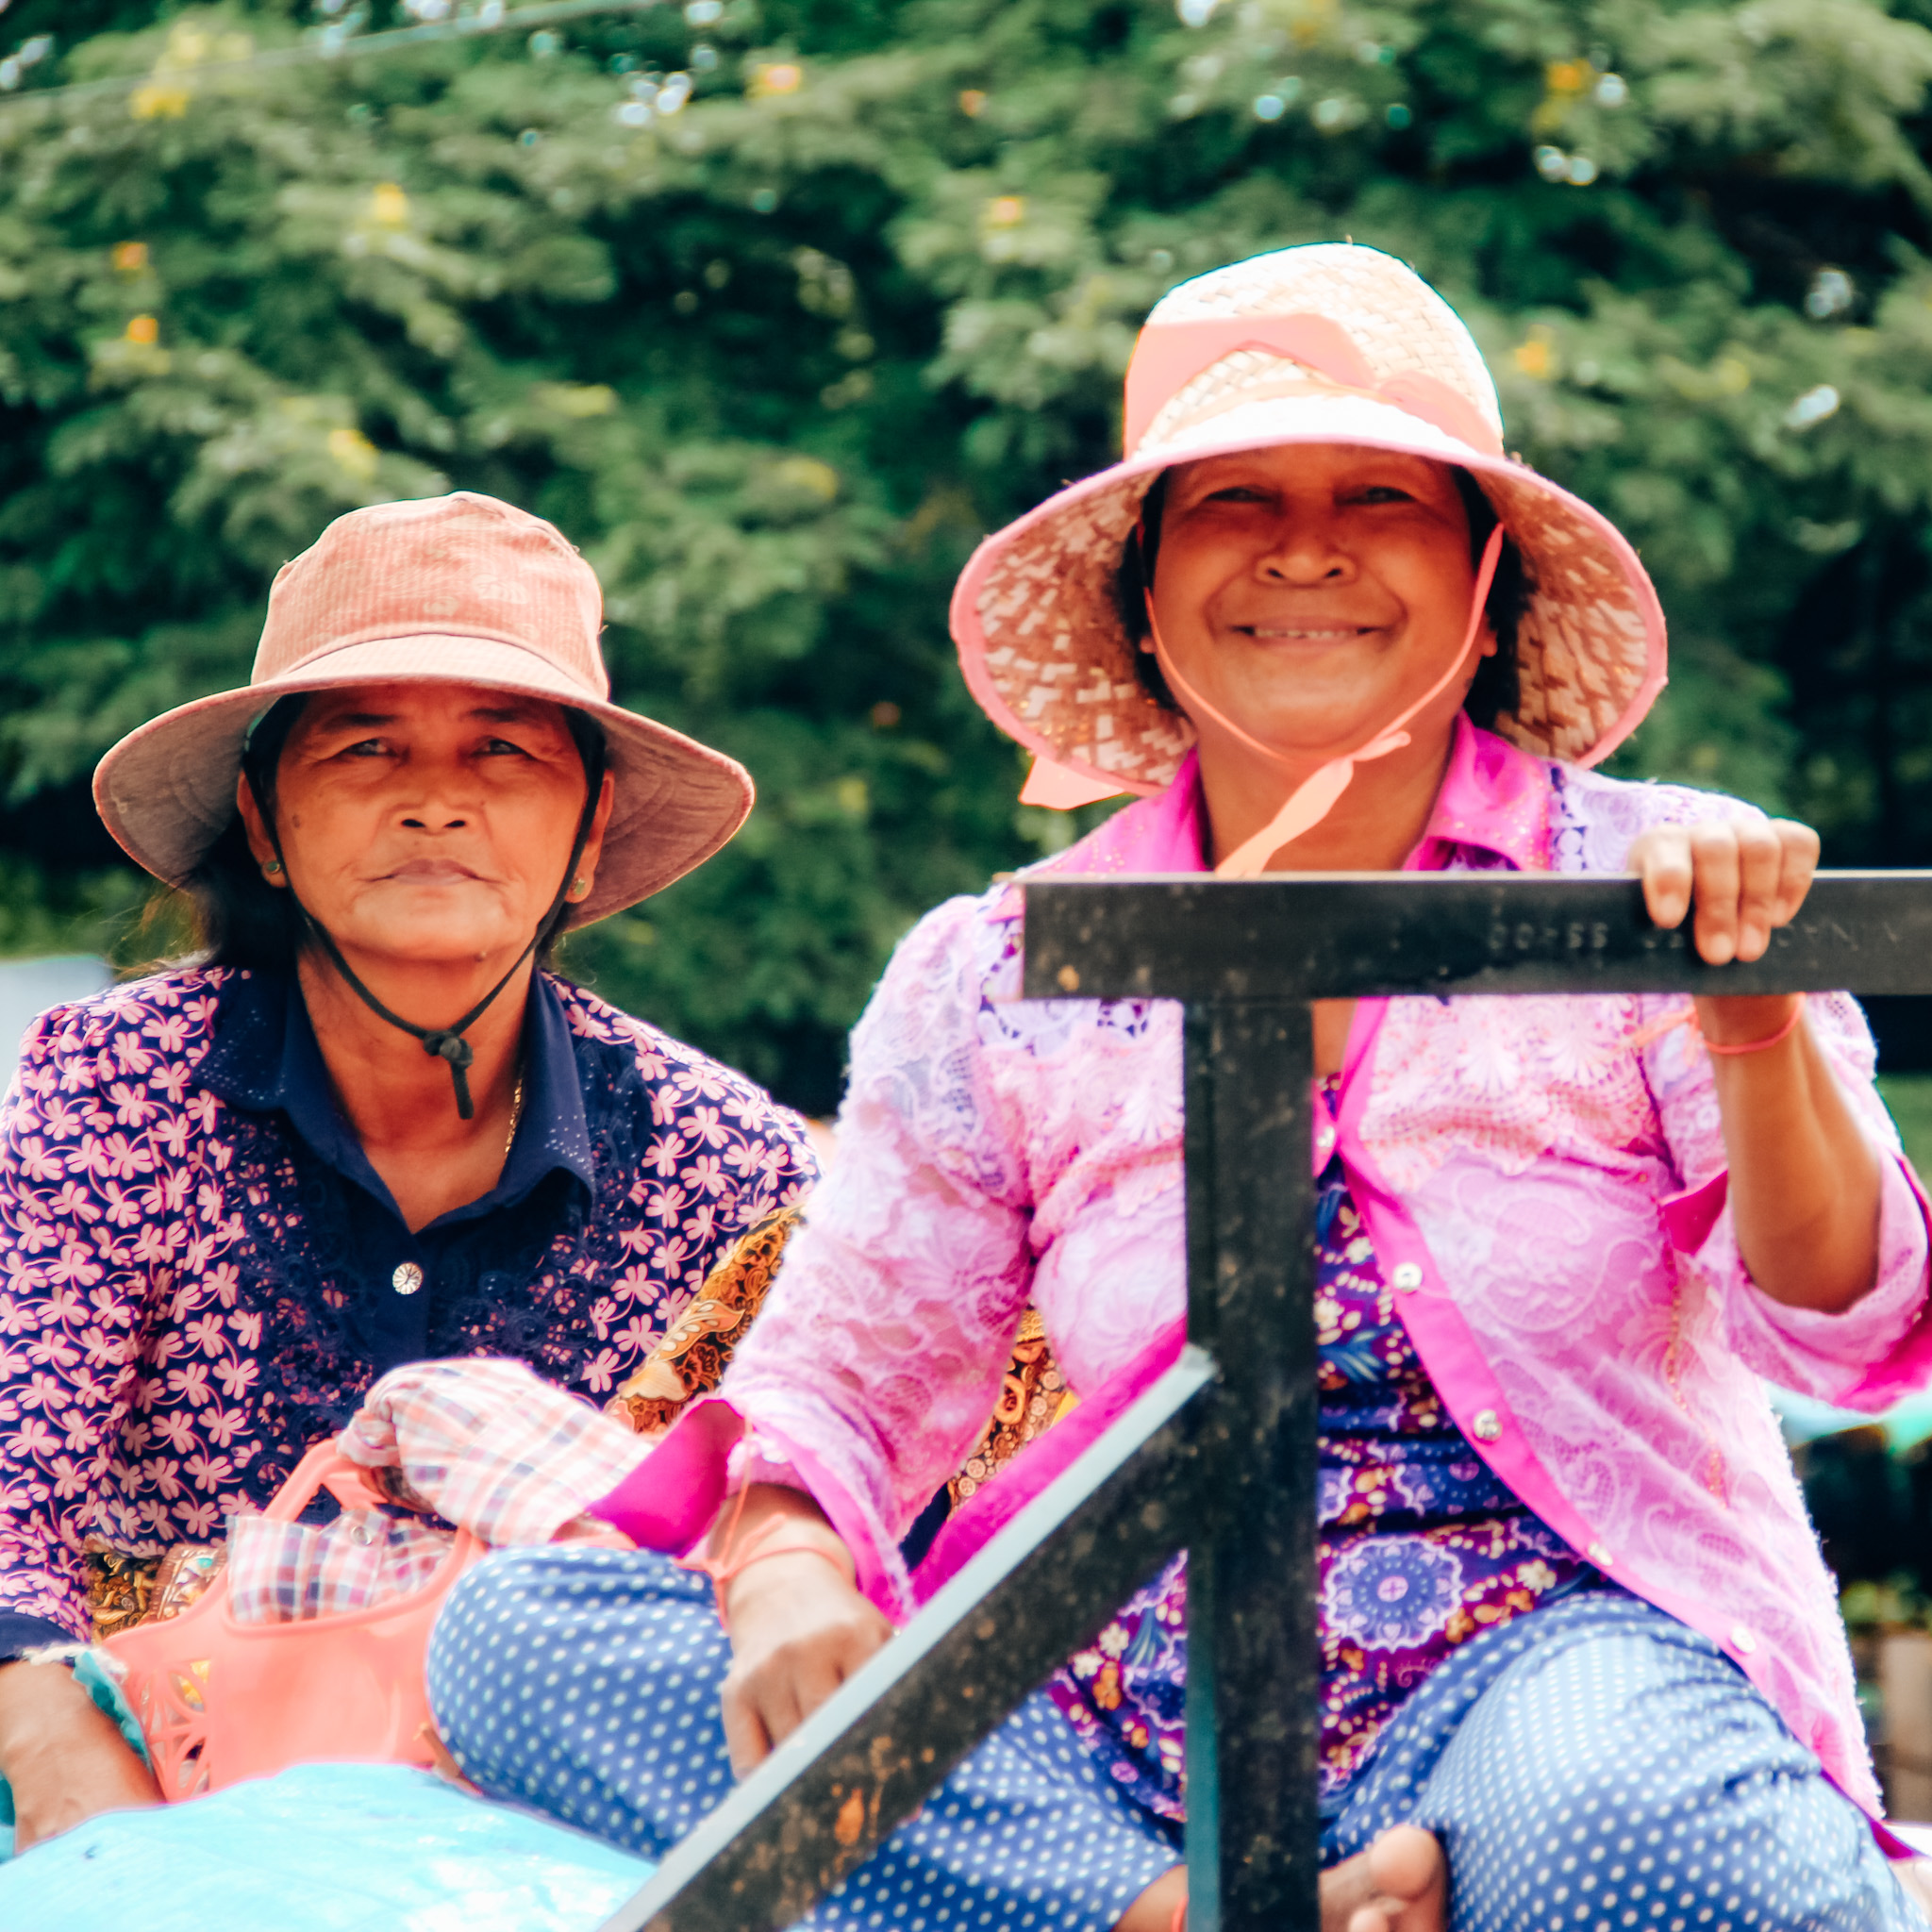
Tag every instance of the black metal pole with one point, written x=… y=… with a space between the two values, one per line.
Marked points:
x=1252 y=1661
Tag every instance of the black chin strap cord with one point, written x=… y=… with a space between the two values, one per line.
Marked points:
x=441 y=1043
x=447 y=1043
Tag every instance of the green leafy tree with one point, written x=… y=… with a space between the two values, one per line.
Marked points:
x=777 y=352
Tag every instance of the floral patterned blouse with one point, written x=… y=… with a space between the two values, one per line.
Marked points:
x=1421 y=1548
x=199 y=1274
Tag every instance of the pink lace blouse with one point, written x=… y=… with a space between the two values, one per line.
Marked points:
x=1555 y=1180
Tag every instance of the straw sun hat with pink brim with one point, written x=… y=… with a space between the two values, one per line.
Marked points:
x=1329 y=343
x=451 y=590
x=455 y=590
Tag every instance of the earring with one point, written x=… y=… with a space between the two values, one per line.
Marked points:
x=579 y=886
x=273 y=867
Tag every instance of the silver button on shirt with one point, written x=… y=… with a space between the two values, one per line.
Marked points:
x=407 y=1280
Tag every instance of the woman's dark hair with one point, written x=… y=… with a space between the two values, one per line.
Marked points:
x=239 y=919
x=1495 y=690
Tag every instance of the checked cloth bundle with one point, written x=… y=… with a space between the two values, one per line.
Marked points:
x=476 y=1444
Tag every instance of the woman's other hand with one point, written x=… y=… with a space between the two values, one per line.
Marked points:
x=1805 y=1182
x=798 y=1625
x=1745 y=878
x=64 y=1757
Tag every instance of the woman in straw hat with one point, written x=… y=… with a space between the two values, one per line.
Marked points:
x=1568 y=1597
x=367 y=1127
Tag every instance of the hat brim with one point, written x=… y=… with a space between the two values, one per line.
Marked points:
x=167 y=791
x=1043 y=649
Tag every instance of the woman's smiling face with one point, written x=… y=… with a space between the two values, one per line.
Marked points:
x=1313 y=591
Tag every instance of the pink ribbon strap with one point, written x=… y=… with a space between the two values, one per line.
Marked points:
x=1059 y=788
x=1169 y=356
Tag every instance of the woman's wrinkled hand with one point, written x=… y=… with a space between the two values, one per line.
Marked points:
x=1744 y=877
x=799 y=1626
x=64 y=1757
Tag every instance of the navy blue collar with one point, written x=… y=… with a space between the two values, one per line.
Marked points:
x=265 y=1056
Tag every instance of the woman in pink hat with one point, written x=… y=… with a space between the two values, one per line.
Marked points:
x=367 y=1126
x=1581 y=1659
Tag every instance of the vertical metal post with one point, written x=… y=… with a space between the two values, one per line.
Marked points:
x=1253 y=1660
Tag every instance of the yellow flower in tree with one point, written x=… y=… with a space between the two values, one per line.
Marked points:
x=1536 y=357
x=779 y=77
x=144 y=330
x=810 y=474
x=354 y=451
x=577 y=399
x=1310 y=19
x=1005 y=211
x=388 y=204
x=1564 y=81
x=130 y=258
x=158 y=99
x=188 y=47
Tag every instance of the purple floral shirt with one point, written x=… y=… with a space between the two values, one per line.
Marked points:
x=1421 y=1548
x=184 y=1304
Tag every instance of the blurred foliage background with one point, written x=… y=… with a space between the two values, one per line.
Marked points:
x=776 y=306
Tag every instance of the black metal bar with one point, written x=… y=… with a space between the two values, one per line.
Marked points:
x=866 y=1760
x=1253 y=1832
x=1347 y=935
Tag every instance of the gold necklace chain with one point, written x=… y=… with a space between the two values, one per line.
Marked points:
x=516 y=1114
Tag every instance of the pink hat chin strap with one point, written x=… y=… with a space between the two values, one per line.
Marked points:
x=1315 y=797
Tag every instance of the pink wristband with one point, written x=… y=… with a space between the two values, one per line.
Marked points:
x=1784 y=1032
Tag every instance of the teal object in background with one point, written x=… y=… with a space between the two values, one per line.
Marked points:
x=321 y=1848
x=1805 y=1419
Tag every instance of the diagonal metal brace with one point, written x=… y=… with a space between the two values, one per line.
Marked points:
x=863 y=1763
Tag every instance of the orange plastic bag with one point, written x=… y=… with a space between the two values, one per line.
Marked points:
x=220 y=1701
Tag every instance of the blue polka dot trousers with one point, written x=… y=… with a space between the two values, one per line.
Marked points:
x=1592 y=1767
x=585 y=1684
x=1597 y=1766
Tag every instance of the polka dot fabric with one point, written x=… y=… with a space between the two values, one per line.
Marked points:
x=585 y=1684
x=1594 y=1766
x=1598 y=1767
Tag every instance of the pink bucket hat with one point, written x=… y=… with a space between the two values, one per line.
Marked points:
x=1329 y=343
x=462 y=590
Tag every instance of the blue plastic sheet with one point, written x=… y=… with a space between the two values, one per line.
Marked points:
x=321 y=1848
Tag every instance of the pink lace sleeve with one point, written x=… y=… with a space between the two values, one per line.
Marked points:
x=1826 y=1356
x=877 y=1358
x=1859 y=1357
